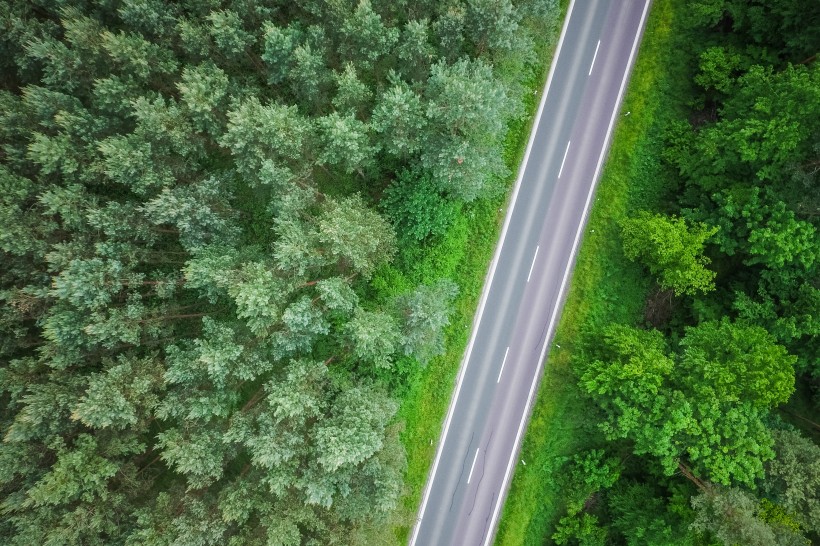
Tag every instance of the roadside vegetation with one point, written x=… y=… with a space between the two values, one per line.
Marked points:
x=237 y=238
x=464 y=252
x=680 y=400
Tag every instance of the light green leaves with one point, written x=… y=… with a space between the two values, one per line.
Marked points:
x=738 y=363
x=122 y=395
x=705 y=406
x=355 y=235
x=425 y=313
x=355 y=429
x=671 y=249
x=344 y=142
x=375 y=337
x=79 y=473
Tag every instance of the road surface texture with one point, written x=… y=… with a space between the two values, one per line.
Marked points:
x=519 y=307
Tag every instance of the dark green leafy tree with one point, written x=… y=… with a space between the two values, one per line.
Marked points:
x=416 y=208
x=629 y=386
x=590 y=472
x=309 y=75
x=204 y=89
x=764 y=230
x=268 y=141
x=375 y=337
x=355 y=235
x=415 y=50
x=279 y=44
x=351 y=93
x=719 y=69
x=137 y=56
x=737 y=363
x=793 y=477
x=449 y=31
x=227 y=33
x=492 y=24
x=734 y=516
x=642 y=516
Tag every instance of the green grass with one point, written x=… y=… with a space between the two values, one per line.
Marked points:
x=605 y=286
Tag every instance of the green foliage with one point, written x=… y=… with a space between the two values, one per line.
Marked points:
x=492 y=25
x=400 y=118
x=642 y=517
x=590 y=472
x=717 y=69
x=123 y=396
x=630 y=383
x=424 y=313
x=203 y=89
x=356 y=235
x=764 y=230
x=583 y=530
x=708 y=403
x=469 y=107
x=416 y=208
x=777 y=516
x=267 y=140
x=191 y=349
x=415 y=50
x=365 y=37
x=733 y=516
x=672 y=250
x=351 y=93
x=737 y=363
x=345 y=142
x=227 y=32
x=80 y=473
x=375 y=337
x=793 y=478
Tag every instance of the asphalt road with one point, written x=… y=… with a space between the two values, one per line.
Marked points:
x=478 y=447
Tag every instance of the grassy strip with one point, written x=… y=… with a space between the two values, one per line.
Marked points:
x=463 y=253
x=605 y=286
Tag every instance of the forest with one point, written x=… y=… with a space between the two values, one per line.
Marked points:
x=705 y=427
x=204 y=205
x=213 y=217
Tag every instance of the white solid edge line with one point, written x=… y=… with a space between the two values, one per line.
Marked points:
x=470 y=477
x=485 y=292
x=491 y=534
x=534 y=256
x=502 y=365
x=565 y=158
x=594 y=57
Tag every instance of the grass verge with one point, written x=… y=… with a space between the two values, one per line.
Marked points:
x=605 y=286
x=463 y=253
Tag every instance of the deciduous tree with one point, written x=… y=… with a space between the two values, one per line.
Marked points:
x=671 y=249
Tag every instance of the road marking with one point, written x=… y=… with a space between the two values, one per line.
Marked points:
x=540 y=365
x=533 y=263
x=485 y=292
x=470 y=477
x=502 y=365
x=594 y=57
x=565 y=158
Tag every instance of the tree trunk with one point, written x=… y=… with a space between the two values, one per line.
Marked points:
x=687 y=473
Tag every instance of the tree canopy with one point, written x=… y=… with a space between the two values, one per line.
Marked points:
x=190 y=349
